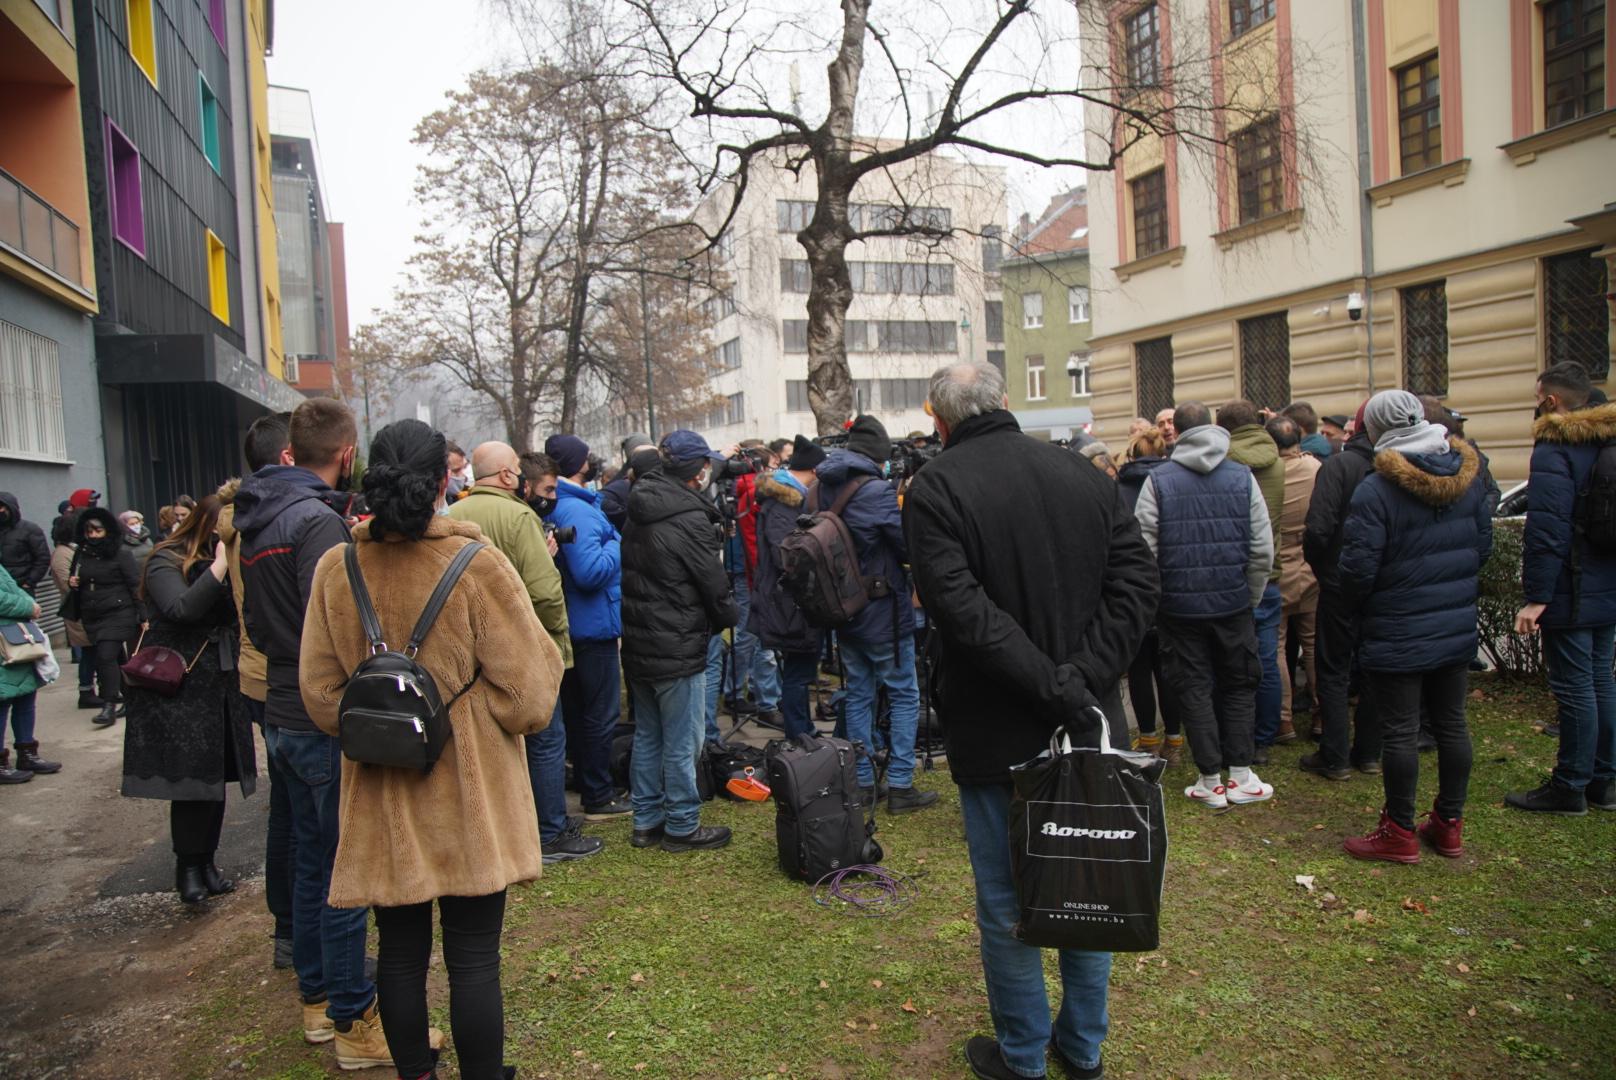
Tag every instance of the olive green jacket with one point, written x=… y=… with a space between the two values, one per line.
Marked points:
x=510 y=525
x=1254 y=448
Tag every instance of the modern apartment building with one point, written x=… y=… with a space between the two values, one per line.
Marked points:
x=50 y=416
x=181 y=365
x=919 y=304
x=1047 y=313
x=1438 y=218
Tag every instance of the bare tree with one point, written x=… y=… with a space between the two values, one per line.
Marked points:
x=953 y=74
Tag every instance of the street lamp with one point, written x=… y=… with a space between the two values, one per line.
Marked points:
x=965 y=328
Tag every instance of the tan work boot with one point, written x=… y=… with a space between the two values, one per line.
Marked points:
x=317 y=1026
x=363 y=1046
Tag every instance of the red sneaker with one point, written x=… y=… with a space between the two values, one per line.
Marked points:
x=1388 y=841
x=1442 y=834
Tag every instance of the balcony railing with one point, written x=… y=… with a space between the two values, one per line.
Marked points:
x=39 y=232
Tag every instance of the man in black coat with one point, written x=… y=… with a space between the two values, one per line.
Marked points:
x=23 y=551
x=675 y=597
x=1040 y=586
x=1337 y=630
x=614 y=496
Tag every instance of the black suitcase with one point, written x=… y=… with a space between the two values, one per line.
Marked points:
x=821 y=822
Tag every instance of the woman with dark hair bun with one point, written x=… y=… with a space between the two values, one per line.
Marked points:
x=467 y=830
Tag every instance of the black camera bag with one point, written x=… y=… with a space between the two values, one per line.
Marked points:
x=820 y=821
x=391 y=712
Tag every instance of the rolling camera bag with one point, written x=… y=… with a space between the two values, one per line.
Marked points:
x=1088 y=847
x=821 y=824
x=819 y=566
x=391 y=712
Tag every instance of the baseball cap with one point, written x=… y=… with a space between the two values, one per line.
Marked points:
x=1337 y=419
x=683 y=447
x=84 y=497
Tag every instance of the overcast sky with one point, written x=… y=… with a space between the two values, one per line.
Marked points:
x=375 y=67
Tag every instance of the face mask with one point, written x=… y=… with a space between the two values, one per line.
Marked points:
x=542 y=506
x=521 y=488
x=1542 y=408
x=441 y=510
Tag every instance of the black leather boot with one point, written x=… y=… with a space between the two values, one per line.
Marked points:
x=89 y=700
x=189 y=880
x=216 y=882
x=29 y=761
x=8 y=775
x=107 y=716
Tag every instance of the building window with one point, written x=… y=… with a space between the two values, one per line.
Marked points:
x=996 y=359
x=793 y=215
x=31 y=422
x=128 y=217
x=795 y=333
x=993 y=320
x=216 y=21
x=1149 y=213
x=1246 y=14
x=1077 y=366
x=1577 y=313
x=797 y=395
x=1573 y=59
x=218 y=279
x=210 y=123
x=1153 y=375
x=862 y=391
x=1035 y=378
x=794 y=277
x=884 y=216
x=1265 y=360
x=1259 y=172
x=1140 y=56
x=915 y=336
x=1032 y=310
x=992 y=248
x=143 y=36
x=721 y=304
x=735 y=409
x=729 y=355
x=1419 y=115
x=1425 y=339
x=1077 y=304
x=899 y=394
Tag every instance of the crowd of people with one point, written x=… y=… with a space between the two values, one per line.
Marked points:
x=1233 y=569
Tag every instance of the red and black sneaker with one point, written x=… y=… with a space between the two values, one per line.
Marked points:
x=1443 y=834
x=1388 y=841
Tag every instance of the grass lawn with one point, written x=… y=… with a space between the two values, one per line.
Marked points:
x=644 y=964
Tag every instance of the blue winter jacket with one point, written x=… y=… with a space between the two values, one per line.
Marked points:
x=1416 y=535
x=1579 y=591
x=873 y=517
x=591 y=566
x=1317 y=445
x=1131 y=477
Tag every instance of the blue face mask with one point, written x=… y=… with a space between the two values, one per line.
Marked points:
x=442 y=509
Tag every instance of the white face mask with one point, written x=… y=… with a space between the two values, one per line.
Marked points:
x=441 y=509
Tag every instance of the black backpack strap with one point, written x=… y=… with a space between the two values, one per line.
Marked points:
x=847 y=495
x=361 y=595
x=446 y=584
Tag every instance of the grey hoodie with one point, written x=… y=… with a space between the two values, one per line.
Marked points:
x=1202 y=449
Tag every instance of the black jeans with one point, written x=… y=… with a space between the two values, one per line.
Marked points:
x=1337 y=642
x=1398 y=697
x=109 y=654
x=590 y=707
x=1213 y=668
x=194 y=826
x=471 y=931
x=1146 y=683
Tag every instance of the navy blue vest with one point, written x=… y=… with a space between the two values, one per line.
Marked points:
x=1204 y=539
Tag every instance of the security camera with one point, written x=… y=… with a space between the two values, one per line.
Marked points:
x=1072 y=366
x=1355 y=306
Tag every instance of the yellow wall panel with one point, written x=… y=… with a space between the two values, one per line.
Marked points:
x=1410 y=30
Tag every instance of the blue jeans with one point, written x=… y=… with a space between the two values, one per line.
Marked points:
x=1270 y=693
x=765 y=676
x=1579 y=667
x=667 y=743
x=21 y=712
x=547 y=773
x=279 y=843
x=590 y=702
x=710 y=680
x=1014 y=971
x=870 y=665
x=800 y=669
x=328 y=944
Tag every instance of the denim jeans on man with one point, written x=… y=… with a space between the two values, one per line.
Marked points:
x=753 y=663
x=799 y=669
x=278 y=841
x=870 y=665
x=328 y=944
x=1579 y=663
x=1014 y=972
x=547 y=774
x=1270 y=692
x=667 y=745
x=590 y=703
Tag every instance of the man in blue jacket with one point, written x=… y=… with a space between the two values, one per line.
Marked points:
x=1570 y=592
x=878 y=644
x=591 y=579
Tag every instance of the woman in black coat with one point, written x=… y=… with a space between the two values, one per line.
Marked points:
x=187 y=748
x=106 y=581
x=1147 y=451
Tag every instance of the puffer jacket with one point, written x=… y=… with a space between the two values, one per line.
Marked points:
x=676 y=595
x=23 y=551
x=16 y=680
x=1338 y=478
x=1577 y=584
x=591 y=566
x=1131 y=477
x=109 y=581
x=775 y=617
x=873 y=517
x=1253 y=447
x=1415 y=538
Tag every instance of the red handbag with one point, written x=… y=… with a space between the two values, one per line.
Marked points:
x=159 y=668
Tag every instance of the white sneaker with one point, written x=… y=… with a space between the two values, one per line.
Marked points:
x=1212 y=797
x=1253 y=790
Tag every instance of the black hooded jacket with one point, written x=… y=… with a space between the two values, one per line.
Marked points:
x=676 y=595
x=1039 y=584
x=23 y=551
x=1337 y=479
x=285 y=516
x=109 y=580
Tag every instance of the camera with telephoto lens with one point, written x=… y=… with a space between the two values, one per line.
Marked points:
x=909 y=456
x=564 y=534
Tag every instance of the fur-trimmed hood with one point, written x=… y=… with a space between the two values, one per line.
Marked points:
x=1434 y=479
x=1591 y=425
x=768 y=487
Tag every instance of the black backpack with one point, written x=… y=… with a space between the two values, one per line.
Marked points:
x=1598 y=511
x=819 y=566
x=820 y=822
x=391 y=712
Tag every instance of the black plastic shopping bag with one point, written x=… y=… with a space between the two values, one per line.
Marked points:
x=1088 y=847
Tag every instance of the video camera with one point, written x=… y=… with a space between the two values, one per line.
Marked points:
x=905 y=457
x=564 y=534
x=744 y=462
